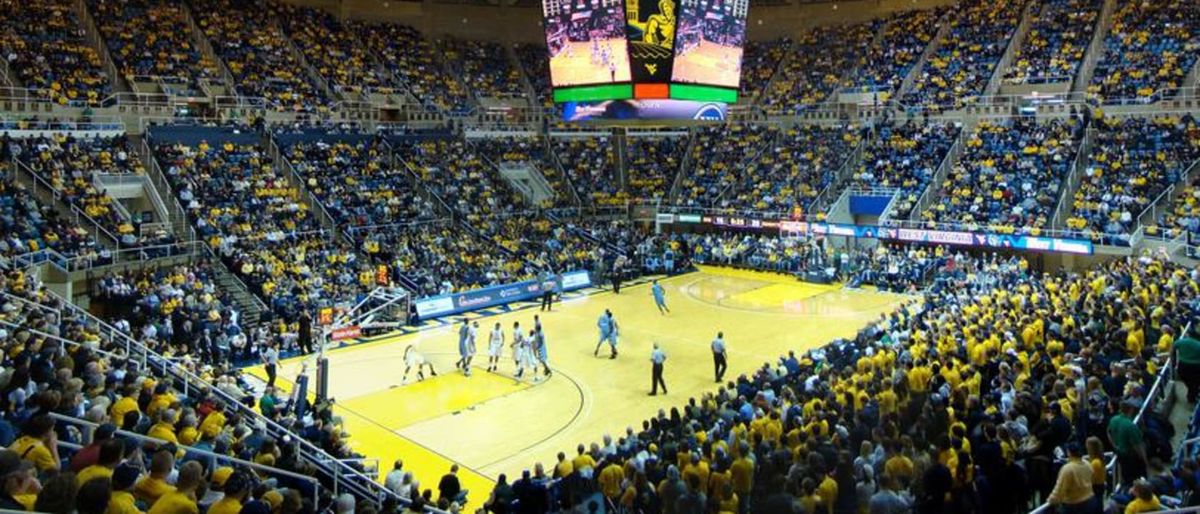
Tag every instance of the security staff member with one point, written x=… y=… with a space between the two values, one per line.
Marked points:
x=657 y=358
x=718 y=350
x=548 y=285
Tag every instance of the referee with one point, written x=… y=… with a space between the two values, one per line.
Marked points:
x=718 y=349
x=657 y=358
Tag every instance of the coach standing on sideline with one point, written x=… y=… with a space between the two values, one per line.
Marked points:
x=657 y=358
x=718 y=349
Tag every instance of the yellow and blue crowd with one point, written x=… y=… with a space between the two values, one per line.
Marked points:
x=591 y=164
x=44 y=45
x=904 y=157
x=956 y=402
x=152 y=39
x=892 y=56
x=31 y=226
x=57 y=361
x=760 y=60
x=813 y=72
x=1010 y=176
x=529 y=151
x=413 y=60
x=484 y=65
x=967 y=58
x=1056 y=43
x=259 y=55
x=765 y=168
x=536 y=68
x=1149 y=50
x=331 y=47
x=651 y=165
x=1133 y=160
x=71 y=167
x=358 y=183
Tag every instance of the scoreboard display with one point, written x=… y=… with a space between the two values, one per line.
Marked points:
x=602 y=50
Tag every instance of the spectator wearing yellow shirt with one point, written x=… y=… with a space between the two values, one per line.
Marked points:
x=111 y=452
x=38 y=444
x=236 y=488
x=1144 y=499
x=18 y=479
x=182 y=500
x=583 y=460
x=150 y=488
x=122 y=500
x=564 y=467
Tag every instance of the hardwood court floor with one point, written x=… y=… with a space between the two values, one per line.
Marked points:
x=491 y=424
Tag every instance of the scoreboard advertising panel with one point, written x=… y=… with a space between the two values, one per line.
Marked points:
x=602 y=50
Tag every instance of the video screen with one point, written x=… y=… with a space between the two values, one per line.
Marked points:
x=709 y=42
x=586 y=40
x=627 y=110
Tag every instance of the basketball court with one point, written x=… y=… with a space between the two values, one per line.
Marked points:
x=491 y=424
x=575 y=65
x=709 y=63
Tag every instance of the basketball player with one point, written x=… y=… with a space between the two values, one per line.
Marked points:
x=518 y=349
x=464 y=332
x=660 y=297
x=608 y=332
x=495 y=346
x=413 y=358
x=539 y=346
x=470 y=355
x=529 y=358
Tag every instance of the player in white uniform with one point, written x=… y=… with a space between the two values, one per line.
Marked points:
x=495 y=346
x=518 y=350
x=529 y=359
x=414 y=359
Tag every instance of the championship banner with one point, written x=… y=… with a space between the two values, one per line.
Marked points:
x=325 y=316
x=381 y=275
x=650 y=28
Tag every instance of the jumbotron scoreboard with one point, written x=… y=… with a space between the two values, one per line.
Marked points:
x=649 y=52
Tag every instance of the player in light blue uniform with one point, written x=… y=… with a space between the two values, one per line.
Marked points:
x=608 y=332
x=660 y=297
x=464 y=332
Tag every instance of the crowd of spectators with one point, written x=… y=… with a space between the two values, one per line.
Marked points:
x=964 y=63
x=1057 y=40
x=904 y=157
x=1010 y=176
x=416 y=63
x=760 y=61
x=458 y=174
x=30 y=226
x=484 y=65
x=764 y=167
x=1132 y=161
x=258 y=223
x=591 y=165
x=651 y=165
x=964 y=402
x=152 y=38
x=69 y=165
x=1151 y=46
x=44 y=44
x=820 y=59
x=59 y=362
x=332 y=48
x=905 y=37
x=358 y=183
x=535 y=63
x=259 y=55
x=1183 y=216
x=515 y=150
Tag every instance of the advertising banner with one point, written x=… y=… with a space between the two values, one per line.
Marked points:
x=454 y=303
